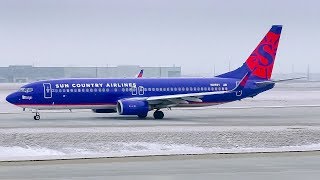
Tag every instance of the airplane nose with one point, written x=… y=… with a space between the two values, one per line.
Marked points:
x=12 y=98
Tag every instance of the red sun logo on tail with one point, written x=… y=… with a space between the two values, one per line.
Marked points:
x=262 y=58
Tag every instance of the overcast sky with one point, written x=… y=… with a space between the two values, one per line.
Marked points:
x=193 y=34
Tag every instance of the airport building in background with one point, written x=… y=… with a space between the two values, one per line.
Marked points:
x=28 y=73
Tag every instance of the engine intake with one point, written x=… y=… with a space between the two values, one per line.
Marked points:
x=132 y=107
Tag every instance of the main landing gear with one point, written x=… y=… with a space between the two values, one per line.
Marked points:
x=37 y=116
x=158 y=114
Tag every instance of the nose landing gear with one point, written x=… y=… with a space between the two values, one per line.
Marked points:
x=37 y=116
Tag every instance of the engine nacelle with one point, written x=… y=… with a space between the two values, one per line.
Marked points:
x=132 y=107
x=104 y=110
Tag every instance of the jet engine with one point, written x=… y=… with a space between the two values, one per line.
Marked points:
x=133 y=107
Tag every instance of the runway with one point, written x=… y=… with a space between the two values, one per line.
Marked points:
x=223 y=166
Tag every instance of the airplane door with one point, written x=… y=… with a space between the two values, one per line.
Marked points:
x=134 y=90
x=47 y=90
x=238 y=93
x=141 y=90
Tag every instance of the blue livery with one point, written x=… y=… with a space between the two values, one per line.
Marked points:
x=138 y=96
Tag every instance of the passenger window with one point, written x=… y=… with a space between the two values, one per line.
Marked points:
x=179 y=88
x=91 y=90
x=107 y=89
x=201 y=88
x=205 y=88
x=175 y=89
x=115 y=89
x=87 y=90
x=71 y=90
x=123 y=89
x=63 y=90
x=160 y=89
x=157 y=89
x=198 y=88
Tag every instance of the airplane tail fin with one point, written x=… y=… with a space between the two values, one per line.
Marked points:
x=260 y=62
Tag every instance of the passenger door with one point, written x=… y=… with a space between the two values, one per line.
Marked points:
x=47 y=90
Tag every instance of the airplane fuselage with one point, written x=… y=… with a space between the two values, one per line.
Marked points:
x=104 y=93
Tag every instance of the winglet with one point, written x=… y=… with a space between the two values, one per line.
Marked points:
x=243 y=82
x=140 y=74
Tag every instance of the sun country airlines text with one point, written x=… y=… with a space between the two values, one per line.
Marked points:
x=94 y=85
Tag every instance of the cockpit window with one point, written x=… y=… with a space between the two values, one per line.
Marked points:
x=26 y=90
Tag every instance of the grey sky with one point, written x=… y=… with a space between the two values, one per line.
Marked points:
x=193 y=34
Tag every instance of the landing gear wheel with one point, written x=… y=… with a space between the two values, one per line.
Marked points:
x=158 y=115
x=142 y=116
x=36 y=117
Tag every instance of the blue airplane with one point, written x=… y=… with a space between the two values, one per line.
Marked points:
x=138 y=96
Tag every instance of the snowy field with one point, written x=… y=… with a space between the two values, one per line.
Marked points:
x=66 y=143
x=38 y=143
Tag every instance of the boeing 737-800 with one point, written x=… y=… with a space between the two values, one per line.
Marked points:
x=138 y=96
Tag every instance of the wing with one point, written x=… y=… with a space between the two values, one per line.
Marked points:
x=173 y=100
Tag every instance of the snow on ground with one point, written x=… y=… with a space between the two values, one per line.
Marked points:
x=66 y=143
x=133 y=149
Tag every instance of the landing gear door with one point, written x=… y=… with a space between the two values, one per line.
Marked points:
x=47 y=90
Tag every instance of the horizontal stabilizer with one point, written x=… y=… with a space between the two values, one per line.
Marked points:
x=265 y=83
